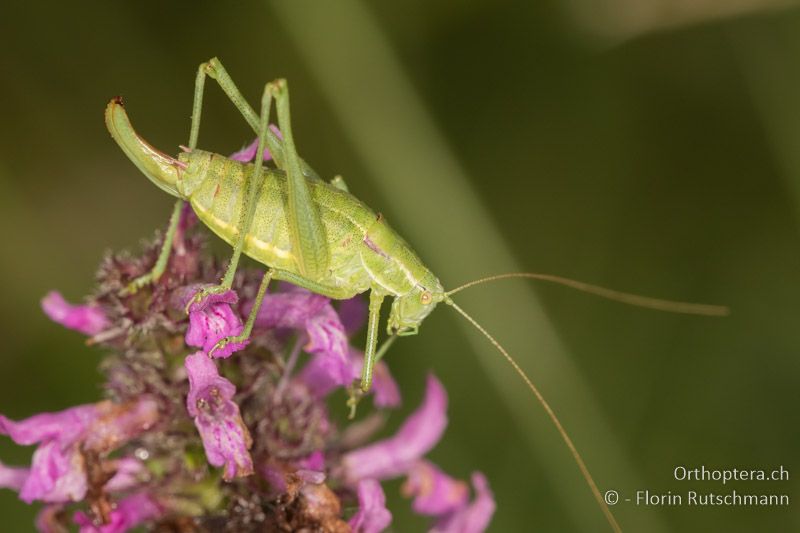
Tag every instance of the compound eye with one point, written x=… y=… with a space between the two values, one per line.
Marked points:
x=426 y=298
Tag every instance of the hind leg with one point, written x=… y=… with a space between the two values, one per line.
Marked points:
x=166 y=247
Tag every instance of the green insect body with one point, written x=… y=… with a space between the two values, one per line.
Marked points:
x=214 y=187
x=313 y=233
x=365 y=252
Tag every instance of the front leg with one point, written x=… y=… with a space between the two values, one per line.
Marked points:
x=376 y=297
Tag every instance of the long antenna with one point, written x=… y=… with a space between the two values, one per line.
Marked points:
x=610 y=294
x=549 y=410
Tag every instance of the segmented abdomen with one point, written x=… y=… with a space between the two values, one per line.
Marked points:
x=218 y=201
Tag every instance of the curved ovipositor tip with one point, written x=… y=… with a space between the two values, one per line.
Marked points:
x=160 y=168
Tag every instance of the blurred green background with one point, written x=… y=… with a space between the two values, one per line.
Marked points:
x=651 y=146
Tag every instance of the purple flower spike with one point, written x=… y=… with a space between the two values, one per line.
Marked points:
x=129 y=513
x=372 y=515
x=225 y=437
x=211 y=320
x=247 y=154
x=88 y=319
x=396 y=455
x=129 y=463
x=472 y=518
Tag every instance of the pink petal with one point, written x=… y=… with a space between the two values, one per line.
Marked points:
x=322 y=375
x=472 y=518
x=353 y=313
x=276 y=479
x=290 y=309
x=117 y=423
x=328 y=341
x=129 y=513
x=281 y=476
x=204 y=377
x=66 y=425
x=384 y=387
x=88 y=319
x=188 y=218
x=310 y=476
x=57 y=471
x=319 y=376
x=211 y=320
x=129 y=473
x=304 y=310
x=225 y=437
x=57 y=475
x=315 y=461
x=12 y=477
x=372 y=515
x=247 y=154
x=396 y=455
x=435 y=493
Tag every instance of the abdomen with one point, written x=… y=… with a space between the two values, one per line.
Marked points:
x=218 y=200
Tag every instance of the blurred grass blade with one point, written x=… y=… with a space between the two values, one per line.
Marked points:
x=768 y=58
x=422 y=181
x=619 y=20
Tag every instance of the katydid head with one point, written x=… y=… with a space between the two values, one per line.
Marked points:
x=408 y=311
x=163 y=170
